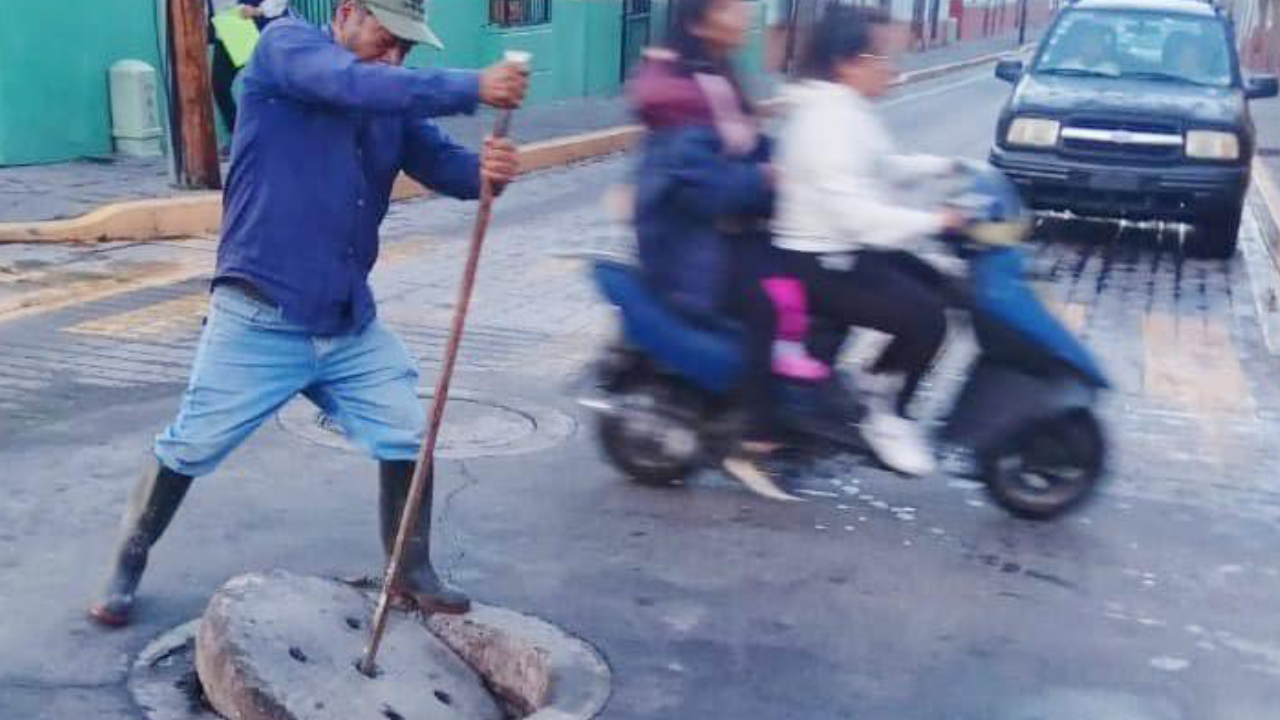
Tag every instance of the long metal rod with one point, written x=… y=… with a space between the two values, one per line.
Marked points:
x=426 y=456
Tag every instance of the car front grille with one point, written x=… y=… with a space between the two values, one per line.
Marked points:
x=1121 y=140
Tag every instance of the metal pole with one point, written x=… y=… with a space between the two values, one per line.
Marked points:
x=426 y=455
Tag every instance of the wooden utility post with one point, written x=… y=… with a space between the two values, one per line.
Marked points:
x=196 y=144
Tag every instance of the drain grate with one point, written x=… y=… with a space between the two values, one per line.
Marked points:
x=1268 y=152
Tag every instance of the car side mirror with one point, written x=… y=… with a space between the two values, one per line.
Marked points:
x=1009 y=70
x=1261 y=87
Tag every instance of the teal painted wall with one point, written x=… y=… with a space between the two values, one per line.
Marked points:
x=53 y=74
x=54 y=104
x=601 y=56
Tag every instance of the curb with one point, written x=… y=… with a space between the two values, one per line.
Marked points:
x=1268 y=186
x=201 y=213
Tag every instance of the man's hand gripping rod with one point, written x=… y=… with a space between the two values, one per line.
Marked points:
x=426 y=456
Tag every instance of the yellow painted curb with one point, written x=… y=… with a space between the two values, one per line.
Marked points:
x=154 y=218
x=201 y=213
x=548 y=154
x=553 y=153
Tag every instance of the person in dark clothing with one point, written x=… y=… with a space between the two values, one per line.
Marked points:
x=329 y=120
x=704 y=188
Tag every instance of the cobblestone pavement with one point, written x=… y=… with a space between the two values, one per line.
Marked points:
x=878 y=598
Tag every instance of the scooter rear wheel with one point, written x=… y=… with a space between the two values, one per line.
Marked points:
x=1048 y=468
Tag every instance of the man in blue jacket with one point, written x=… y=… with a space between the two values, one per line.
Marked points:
x=328 y=119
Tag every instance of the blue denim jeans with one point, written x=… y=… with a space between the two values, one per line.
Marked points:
x=251 y=361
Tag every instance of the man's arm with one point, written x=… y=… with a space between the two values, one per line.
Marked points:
x=307 y=66
x=437 y=162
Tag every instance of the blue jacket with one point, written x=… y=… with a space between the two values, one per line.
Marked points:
x=319 y=142
x=695 y=202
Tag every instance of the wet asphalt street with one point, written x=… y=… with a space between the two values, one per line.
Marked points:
x=877 y=599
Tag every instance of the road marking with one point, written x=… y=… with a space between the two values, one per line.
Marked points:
x=178 y=316
x=1073 y=315
x=79 y=292
x=975 y=79
x=1193 y=366
x=162 y=319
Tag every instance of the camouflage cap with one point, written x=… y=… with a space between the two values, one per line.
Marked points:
x=406 y=19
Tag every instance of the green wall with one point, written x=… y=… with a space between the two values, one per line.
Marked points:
x=54 y=58
x=576 y=54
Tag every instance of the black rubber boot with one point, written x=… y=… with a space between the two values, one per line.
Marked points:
x=152 y=505
x=418 y=580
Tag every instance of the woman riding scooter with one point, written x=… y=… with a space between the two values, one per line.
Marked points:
x=704 y=189
x=845 y=235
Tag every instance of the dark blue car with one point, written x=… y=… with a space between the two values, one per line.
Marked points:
x=1135 y=109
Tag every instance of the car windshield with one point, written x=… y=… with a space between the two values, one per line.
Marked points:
x=1140 y=45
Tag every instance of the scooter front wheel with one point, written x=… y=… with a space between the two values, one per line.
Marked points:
x=1049 y=467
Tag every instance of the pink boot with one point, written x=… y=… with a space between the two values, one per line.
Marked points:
x=790 y=358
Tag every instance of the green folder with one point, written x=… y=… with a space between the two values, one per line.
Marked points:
x=237 y=33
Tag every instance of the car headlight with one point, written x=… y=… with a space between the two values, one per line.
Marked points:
x=1033 y=132
x=1212 y=145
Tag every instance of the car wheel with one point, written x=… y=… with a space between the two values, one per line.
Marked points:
x=1216 y=236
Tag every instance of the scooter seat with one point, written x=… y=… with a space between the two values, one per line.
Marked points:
x=710 y=358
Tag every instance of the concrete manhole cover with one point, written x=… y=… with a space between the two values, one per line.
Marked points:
x=274 y=645
x=474 y=426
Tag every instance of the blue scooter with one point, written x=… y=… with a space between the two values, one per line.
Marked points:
x=1024 y=422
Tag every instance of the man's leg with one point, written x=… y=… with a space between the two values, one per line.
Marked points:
x=247 y=365
x=368 y=384
x=152 y=505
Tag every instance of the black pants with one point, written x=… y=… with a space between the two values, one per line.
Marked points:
x=754 y=260
x=224 y=76
x=890 y=291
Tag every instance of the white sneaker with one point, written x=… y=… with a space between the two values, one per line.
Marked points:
x=898 y=443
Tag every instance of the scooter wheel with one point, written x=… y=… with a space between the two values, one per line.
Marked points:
x=1049 y=467
x=641 y=453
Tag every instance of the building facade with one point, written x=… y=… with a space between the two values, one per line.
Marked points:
x=54 y=102
x=1258 y=27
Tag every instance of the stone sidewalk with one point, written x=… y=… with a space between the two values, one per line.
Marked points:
x=66 y=190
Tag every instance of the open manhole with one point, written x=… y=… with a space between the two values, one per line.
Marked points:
x=474 y=426
x=262 y=662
